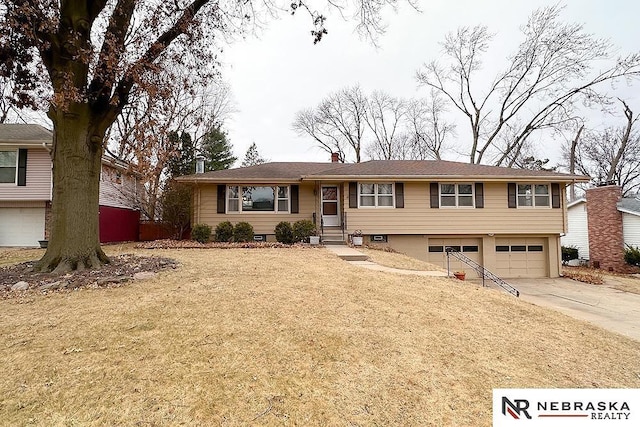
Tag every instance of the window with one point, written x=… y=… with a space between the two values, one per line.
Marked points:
x=456 y=195
x=257 y=199
x=8 y=163
x=533 y=195
x=502 y=248
x=376 y=195
x=436 y=248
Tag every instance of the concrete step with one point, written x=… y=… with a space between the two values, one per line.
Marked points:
x=332 y=242
x=346 y=253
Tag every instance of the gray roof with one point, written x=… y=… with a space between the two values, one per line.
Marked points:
x=375 y=169
x=630 y=205
x=24 y=133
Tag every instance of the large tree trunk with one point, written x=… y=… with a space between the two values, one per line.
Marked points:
x=74 y=242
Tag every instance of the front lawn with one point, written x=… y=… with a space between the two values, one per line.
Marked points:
x=239 y=337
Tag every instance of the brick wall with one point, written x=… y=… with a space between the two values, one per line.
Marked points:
x=606 y=243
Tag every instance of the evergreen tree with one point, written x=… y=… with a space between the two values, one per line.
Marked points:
x=184 y=161
x=252 y=157
x=217 y=150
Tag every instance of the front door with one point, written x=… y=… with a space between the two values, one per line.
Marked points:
x=330 y=197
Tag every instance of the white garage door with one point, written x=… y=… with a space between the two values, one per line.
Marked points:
x=21 y=226
x=470 y=247
x=521 y=257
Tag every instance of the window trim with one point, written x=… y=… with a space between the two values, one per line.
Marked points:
x=376 y=194
x=456 y=194
x=276 y=199
x=533 y=196
x=15 y=174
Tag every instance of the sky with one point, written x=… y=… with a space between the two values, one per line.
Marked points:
x=280 y=71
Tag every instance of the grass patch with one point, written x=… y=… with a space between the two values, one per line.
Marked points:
x=398 y=260
x=625 y=283
x=288 y=336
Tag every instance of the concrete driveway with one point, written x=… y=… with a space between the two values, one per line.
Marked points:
x=601 y=305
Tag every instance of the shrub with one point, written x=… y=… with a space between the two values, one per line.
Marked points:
x=284 y=232
x=224 y=232
x=632 y=255
x=302 y=229
x=201 y=233
x=243 y=232
x=569 y=253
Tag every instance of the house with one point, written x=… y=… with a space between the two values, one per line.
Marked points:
x=602 y=224
x=26 y=182
x=508 y=220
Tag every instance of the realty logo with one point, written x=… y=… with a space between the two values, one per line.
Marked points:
x=516 y=409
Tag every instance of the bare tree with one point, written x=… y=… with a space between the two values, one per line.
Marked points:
x=552 y=70
x=143 y=134
x=386 y=117
x=88 y=57
x=337 y=124
x=610 y=155
x=428 y=128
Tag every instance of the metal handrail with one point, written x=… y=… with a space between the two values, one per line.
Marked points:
x=482 y=272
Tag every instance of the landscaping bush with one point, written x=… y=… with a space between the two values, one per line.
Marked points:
x=224 y=232
x=302 y=229
x=243 y=232
x=201 y=233
x=632 y=255
x=284 y=232
x=569 y=253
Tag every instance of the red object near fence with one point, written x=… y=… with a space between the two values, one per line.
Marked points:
x=158 y=230
x=119 y=225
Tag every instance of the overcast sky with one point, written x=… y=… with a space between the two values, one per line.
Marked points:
x=274 y=76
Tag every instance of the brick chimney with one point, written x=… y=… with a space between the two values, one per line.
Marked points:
x=335 y=157
x=606 y=242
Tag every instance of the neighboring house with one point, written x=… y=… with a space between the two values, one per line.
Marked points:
x=577 y=235
x=26 y=187
x=509 y=220
x=607 y=217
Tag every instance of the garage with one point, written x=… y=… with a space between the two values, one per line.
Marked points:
x=521 y=257
x=21 y=226
x=468 y=246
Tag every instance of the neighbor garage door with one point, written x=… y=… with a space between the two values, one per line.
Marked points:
x=521 y=257
x=469 y=247
x=21 y=226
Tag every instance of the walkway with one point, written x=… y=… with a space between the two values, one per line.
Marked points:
x=355 y=257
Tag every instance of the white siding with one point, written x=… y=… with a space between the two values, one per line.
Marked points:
x=631 y=229
x=577 y=230
x=119 y=189
x=38 y=185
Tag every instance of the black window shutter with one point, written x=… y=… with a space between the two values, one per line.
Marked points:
x=22 y=166
x=399 y=195
x=435 y=196
x=221 y=199
x=555 y=195
x=353 y=194
x=479 y=195
x=511 y=194
x=295 y=197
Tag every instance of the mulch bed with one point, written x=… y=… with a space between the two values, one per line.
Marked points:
x=122 y=269
x=192 y=244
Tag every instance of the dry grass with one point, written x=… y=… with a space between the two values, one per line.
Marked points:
x=15 y=255
x=625 y=283
x=288 y=337
x=398 y=260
